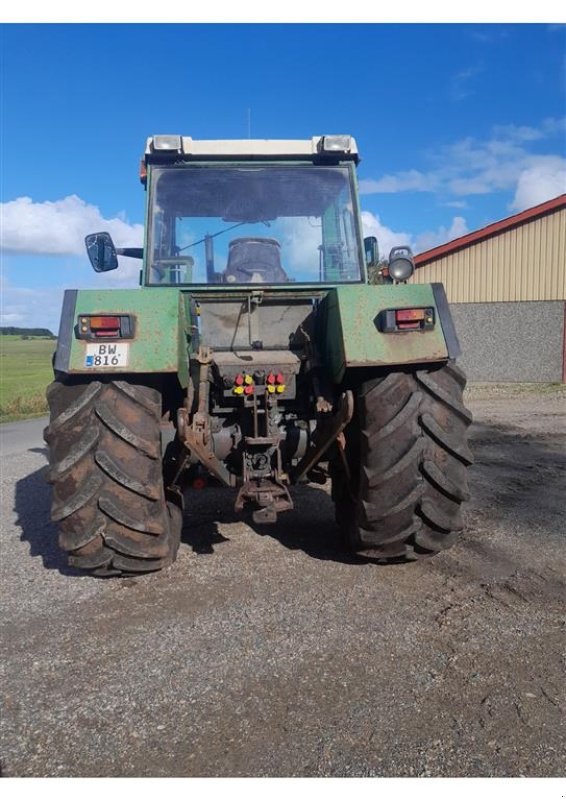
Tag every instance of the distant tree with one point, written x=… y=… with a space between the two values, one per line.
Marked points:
x=379 y=273
x=27 y=332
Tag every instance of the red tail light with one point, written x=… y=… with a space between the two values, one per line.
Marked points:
x=394 y=320
x=104 y=322
x=409 y=314
x=408 y=319
x=105 y=326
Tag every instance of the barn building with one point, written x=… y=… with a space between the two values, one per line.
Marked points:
x=506 y=284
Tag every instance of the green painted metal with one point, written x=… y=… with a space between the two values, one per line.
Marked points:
x=350 y=337
x=160 y=343
x=349 y=334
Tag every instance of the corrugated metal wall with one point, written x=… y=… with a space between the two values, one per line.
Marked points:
x=524 y=263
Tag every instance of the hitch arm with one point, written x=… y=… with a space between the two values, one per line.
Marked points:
x=324 y=436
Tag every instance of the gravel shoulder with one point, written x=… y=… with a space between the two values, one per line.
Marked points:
x=274 y=653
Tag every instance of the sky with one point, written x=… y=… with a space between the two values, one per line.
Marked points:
x=458 y=125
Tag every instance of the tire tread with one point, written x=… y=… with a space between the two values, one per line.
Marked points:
x=105 y=467
x=409 y=459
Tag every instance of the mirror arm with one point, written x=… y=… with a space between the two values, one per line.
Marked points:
x=131 y=252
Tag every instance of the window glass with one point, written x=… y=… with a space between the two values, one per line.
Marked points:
x=266 y=224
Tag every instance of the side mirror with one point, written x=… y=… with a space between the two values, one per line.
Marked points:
x=372 y=251
x=101 y=252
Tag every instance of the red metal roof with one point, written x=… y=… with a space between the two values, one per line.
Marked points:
x=490 y=230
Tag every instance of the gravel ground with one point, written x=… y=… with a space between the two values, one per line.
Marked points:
x=276 y=654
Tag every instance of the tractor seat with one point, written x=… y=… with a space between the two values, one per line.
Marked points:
x=254 y=260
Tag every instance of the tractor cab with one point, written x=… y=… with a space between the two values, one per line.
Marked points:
x=237 y=212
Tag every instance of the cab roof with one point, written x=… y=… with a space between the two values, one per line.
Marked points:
x=163 y=147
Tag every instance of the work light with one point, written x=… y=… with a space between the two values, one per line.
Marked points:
x=336 y=144
x=167 y=143
x=401 y=264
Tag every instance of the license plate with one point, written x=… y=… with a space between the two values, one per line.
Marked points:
x=101 y=356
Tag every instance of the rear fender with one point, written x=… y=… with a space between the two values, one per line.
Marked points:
x=351 y=336
x=159 y=342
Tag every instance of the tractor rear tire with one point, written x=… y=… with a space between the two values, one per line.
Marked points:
x=407 y=457
x=105 y=466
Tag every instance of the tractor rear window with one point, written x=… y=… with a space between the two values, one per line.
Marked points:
x=252 y=224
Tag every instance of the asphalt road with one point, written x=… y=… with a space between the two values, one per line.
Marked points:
x=277 y=654
x=19 y=437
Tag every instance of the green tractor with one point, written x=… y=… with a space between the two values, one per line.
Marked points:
x=256 y=355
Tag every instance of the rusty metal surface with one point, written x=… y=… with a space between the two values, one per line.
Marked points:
x=352 y=339
x=249 y=360
x=159 y=344
x=197 y=440
x=327 y=433
x=271 y=496
x=234 y=324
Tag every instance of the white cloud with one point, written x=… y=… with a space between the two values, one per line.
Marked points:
x=410 y=181
x=386 y=238
x=300 y=241
x=554 y=125
x=518 y=133
x=430 y=239
x=31 y=308
x=505 y=162
x=545 y=179
x=14 y=317
x=461 y=83
x=491 y=34
x=59 y=227
x=456 y=204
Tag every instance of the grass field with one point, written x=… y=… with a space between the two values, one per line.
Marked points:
x=25 y=372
